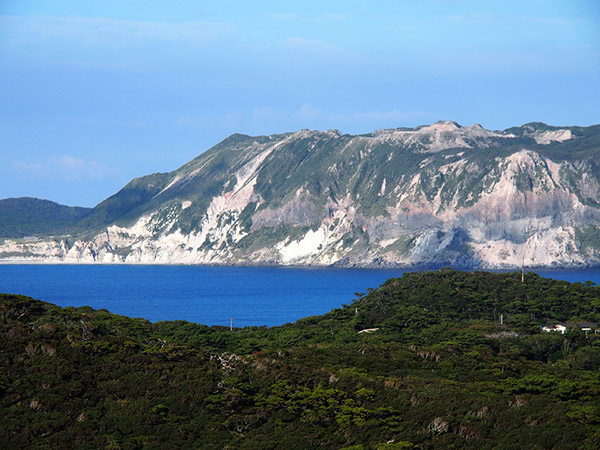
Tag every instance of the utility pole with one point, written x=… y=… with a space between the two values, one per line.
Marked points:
x=231 y=324
x=523 y=271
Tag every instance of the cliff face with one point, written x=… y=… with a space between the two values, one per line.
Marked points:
x=434 y=195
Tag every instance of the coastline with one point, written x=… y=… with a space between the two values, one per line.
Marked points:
x=337 y=265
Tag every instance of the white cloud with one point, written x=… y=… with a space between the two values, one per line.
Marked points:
x=85 y=30
x=310 y=50
x=307 y=113
x=267 y=113
x=64 y=168
x=71 y=165
x=34 y=168
x=329 y=17
x=393 y=118
x=232 y=120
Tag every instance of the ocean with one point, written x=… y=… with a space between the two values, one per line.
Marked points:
x=211 y=295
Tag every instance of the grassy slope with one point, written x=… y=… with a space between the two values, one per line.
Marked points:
x=27 y=216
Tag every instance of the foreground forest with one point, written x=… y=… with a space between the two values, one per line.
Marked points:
x=422 y=362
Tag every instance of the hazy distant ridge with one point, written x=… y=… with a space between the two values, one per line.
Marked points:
x=28 y=216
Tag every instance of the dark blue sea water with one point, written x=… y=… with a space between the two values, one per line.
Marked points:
x=209 y=295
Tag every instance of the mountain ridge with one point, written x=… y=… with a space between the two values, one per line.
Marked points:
x=431 y=195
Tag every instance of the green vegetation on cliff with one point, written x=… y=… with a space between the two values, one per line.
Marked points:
x=435 y=370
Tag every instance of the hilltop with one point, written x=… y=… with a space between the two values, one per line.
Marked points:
x=436 y=370
x=26 y=216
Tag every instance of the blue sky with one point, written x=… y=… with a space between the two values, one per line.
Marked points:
x=95 y=93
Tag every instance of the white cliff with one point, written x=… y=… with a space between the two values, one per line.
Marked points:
x=405 y=197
